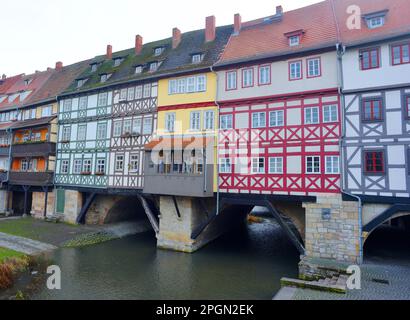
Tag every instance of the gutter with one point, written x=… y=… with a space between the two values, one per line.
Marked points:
x=217 y=146
x=340 y=49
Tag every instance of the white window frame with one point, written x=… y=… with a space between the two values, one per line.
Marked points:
x=247 y=78
x=264 y=75
x=226 y=121
x=278 y=121
x=100 y=168
x=66 y=133
x=170 y=119
x=119 y=162
x=294 y=41
x=137 y=126
x=46 y=111
x=260 y=120
x=102 y=133
x=83 y=103
x=172 y=86
x=201 y=83
x=134 y=159
x=181 y=85
x=77 y=166
x=310 y=119
x=190 y=84
x=334 y=162
x=65 y=166
x=330 y=113
x=295 y=70
x=379 y=22
x=146 y=91
x=315 y=69
x=225 y=165
x=275 y=165
x=313 y=168
x=131 y=94
x=209 y=120
x=123 y=94
x=255 y=164
x=117 y=130
x=195 y=121
x=232 y=80
x=67 y=105
x=197 y=58
x=138 y=69
x=147 y=126
x=87 y=164
x=82 y=132
x=127 y=126
x=139 y=92
x=102 y=99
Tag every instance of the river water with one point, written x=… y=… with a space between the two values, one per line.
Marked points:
x=246 y=263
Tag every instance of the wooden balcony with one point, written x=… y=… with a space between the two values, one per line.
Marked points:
x=33 y=149
x=4 y=151
x=31 y=178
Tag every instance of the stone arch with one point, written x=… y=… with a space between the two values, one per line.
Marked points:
x=295 y=215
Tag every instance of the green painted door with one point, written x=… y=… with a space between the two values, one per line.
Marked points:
x=60 y=200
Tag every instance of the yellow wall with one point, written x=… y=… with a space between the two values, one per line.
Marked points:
x=164 y=99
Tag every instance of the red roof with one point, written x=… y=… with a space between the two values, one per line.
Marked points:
x=260 y=38
x=5 y=84
x=397 y=19
x=172 y=143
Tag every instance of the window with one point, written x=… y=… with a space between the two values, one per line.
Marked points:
x=264 y=75
x=64 y=166
x=375 y=22
x=258 y=165
x=105 y=77
x=158 y=51
x=170 y=122
x=117 y=62
x=138 y=69
x=276 y=118
x=119 y=163
x=294 y=41
x=117 y=128
x=195 y=120
x=225 y=165
x=131 y=94
x=134 y=163
x=231 y=80
x=370 y=59
x=172 y=86
x=247 y=78
x=313 y=165
x=94 y=67
x=138 y=92
x=226 y=122
x=332 y=164
x=209 y=119
x=374 y=162
x=330 y=113
x=127 y=127
x=190 y=85
x=101 y=131
x=77 y=166
x=153 y=66
x=314 y=68
x=81 y=82
x=201 y=83
x=100 y=166
x=66 y=133
x=102 y=99
x=147 y=90
x=197 y=58
x=24 y=166
x=276 y=165
x=372 y=110
x=87 y=165
x=46 y=111
x=259 y=120
x=83 y=102
x=295 y=70
x=136 y=126
x=82 y=132
x=147 y=126
x=312 y=115
x=407 y=106
x=67 y=105
x=123 y=94
x=401 y=54
x=181 y=85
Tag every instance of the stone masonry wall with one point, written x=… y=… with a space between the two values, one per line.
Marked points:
x=73 y=205
x=37 y=205
x=332 y=229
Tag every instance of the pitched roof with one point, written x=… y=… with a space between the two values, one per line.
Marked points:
x=36 y=81
x=58 y=82
x=173 y=143
x=397 y=20
x=267 y=37
x=32 y=123
x=173 y=61
x=5 y=84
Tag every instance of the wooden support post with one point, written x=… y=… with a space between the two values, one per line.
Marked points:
x=45 y=201
x=26 y=188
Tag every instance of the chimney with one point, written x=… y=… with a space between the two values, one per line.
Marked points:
x=176 y=38
x=3 y=77
x=210 y=30
x=109 y=52
x=138 y=44
x=59 y=65
x=279 y=10
x=237 y=23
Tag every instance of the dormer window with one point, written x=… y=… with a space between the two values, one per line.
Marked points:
x=27 y=82
x=158 y=51
x=294 y=37
x=94 y=67
x=117 y=61
x=81 y=82
x=376 y=19
x=153 y=66
x=294 y=41
x=105 y=77
x=138 y=69
x=197 y=58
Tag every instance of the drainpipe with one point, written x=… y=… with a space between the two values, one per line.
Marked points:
x=341 y=50
x=217 y=144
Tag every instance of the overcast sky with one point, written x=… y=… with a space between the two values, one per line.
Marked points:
x=37 y=33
